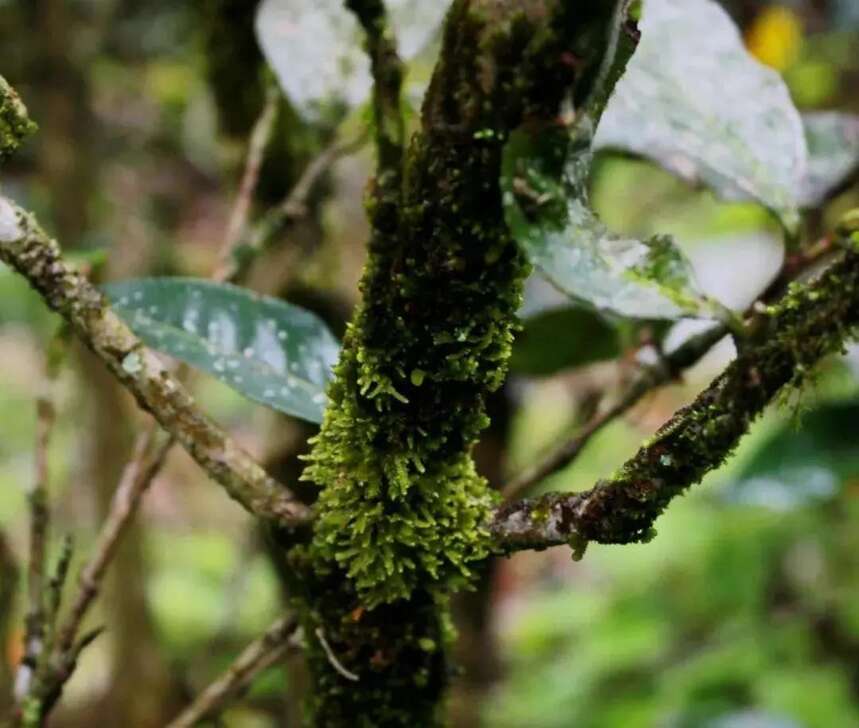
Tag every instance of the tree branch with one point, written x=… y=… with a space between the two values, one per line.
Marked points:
x=259 y=141
x=256 y=657
x=387 y=72
x=15 y=125
x=790 y=337
x=648 y=379
x=36 y=622
x=26 y=248
x=258 y=237
x=666 y=370
x=135 y=481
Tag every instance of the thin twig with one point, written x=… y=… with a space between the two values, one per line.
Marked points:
x=788 y=339
x=332 y=657
x=39 y=522
x=257 y=238
x=259 y=140
x=648 y=379
x=256 y=657
x=134 y=482
x=27 y=249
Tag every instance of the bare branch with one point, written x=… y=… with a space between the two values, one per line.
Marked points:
x=256 y=657
x=39 y=521
x=28 y=250
x=646 y=381
x=789 y=339
x=291 y=209
x=387 y=72
x=135 y=481
x=260 y=137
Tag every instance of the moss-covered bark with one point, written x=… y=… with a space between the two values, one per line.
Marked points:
x=15 y=125
x=403 y=515
x=788 y=339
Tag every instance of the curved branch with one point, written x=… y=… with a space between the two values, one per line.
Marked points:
x=387 y=72
x=790 y=337
x=650 y=378
x=256 y=657
x=25 y=247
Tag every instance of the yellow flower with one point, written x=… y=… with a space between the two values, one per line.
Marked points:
x=775 y=36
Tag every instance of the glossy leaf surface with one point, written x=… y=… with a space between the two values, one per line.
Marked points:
x=268 y=350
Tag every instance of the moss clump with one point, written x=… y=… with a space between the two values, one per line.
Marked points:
x=15 y=125
x=402 y=505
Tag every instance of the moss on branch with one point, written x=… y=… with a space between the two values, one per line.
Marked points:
x=388 y=74
x=402 y=506
x=402 y=515
x=791 y=337
x=15 y=125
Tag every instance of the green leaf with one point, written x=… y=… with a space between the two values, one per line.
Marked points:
x=544 y=181
x=270 y=351
x=804 y=464
x=561 y=339
x=833 y=149
x=695 y=101
x=316 y=49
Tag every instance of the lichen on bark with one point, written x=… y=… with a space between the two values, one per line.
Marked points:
x=15 y=125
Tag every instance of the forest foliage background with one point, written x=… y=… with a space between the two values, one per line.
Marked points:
x=743 y=613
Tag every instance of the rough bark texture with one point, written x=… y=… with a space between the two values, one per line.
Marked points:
x=789 y=338
x=25 y=247
x=402 y=515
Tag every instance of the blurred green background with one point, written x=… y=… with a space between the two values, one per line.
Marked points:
x=742 y=613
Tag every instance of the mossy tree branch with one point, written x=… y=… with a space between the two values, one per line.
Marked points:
x=387 y=70
x=789 y=339
x=402 y=515
x=15 y=125
x=26 y=248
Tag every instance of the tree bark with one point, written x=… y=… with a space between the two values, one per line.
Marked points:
x=400 y=521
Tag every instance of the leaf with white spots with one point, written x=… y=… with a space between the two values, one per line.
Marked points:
x=694 y=100
x=268 y=350
x=544 y=181
x=316 y=49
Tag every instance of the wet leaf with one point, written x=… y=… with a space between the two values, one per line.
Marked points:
x=316 y=49
x=802 y=463
x=695 y=101
x=561 y=339
x=544 y=181
x=833 y=153
x=268 y=350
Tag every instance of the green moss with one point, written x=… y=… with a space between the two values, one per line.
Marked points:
x=15 y=125
x=402 y=504
x=810 y=322
x=402 y=517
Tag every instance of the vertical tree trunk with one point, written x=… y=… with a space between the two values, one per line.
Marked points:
x=401 y=515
